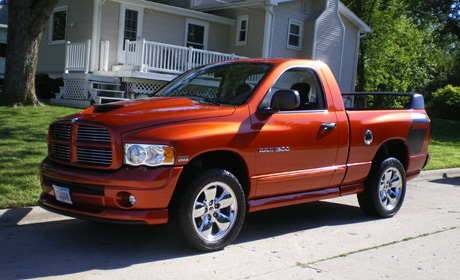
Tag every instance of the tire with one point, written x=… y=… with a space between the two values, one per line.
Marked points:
x=384 y=189
x=209 y=213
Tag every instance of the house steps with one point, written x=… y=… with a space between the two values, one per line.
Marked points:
x=75 y=103
x=104 y=92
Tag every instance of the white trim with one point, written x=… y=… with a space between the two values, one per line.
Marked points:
x=96 y=33
x=223 y=5
x=363 y=27
x=51 y=25
x=355 y=66
x=201 y=23
x=342 y=47
x=300 y=25
x=238 y=30
x=268 y=32
x=121 y=29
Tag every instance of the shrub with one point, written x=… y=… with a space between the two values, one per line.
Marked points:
x=445 y=103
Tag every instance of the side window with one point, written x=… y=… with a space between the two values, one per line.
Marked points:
x=294 y=35
x=305 y=82
x=197 y=34
x=58 y=24
x=242 y=31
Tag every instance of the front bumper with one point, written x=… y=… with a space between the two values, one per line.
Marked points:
x=103 y=195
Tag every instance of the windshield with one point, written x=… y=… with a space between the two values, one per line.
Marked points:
x=229 y=84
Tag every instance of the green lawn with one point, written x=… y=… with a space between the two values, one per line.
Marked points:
x=23 y=135
x=445 y=144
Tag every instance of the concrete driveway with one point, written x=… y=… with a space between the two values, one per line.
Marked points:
x=330 y=239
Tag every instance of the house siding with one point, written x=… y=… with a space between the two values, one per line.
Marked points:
x=154 y=30
x=218 y=39
x=254 y=45
x=51 y=58
x=314 y=9
x=329 y=37
x=164 y=28
x=349 y=58
x=283 y=13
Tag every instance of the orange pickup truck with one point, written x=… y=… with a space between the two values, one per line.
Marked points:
x=230 y=138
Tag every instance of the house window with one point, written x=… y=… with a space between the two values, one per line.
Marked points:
x=197 y=34
x=242 y=30
x=294 y=35
x=130 y=25
x=3 y=49
x=131 y=20
x=58 y=24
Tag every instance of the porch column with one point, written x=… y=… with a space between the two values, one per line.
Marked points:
x=268 y=32
x=96 y=34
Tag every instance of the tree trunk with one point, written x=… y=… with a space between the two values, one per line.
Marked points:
x=26 y=19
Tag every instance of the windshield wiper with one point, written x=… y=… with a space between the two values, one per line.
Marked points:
x=212 y=101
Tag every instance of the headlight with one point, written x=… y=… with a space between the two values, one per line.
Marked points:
x=150 y=155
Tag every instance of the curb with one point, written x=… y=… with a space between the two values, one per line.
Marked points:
x=438 y=174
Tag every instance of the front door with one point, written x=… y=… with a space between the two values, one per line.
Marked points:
x=130 y=28
x=296 y=150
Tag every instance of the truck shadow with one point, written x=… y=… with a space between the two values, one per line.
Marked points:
x=451 y=181
x=280 y=221
x=72 y=246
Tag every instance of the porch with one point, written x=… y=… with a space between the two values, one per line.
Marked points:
x=145 y=68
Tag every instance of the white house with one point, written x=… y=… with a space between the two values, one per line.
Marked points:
x=115 y=49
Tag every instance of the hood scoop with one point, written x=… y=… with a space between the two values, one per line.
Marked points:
x=106 y=108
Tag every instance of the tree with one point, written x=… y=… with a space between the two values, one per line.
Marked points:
x=26 y=19
x=443 y=15
x=413 y=46
x=365 y=10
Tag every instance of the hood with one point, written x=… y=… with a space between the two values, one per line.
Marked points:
x=141 y=113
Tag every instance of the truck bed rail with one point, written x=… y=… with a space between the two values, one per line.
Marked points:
x=383 y=101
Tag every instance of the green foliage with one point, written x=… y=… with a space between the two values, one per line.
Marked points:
x=442 y=15
x=413 y=47
x=445 y=103
x=398 y=56
x=23 y=145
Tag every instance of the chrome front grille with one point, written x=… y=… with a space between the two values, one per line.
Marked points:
x=61 y=131
x=93 y=134
x=94 y=156
x=61 y=152
x=92 y=145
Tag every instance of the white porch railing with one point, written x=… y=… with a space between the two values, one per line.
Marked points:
x=152 y=57
x=77 y=56
x=144 y=56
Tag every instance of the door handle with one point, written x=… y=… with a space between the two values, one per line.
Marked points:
x=328 y=126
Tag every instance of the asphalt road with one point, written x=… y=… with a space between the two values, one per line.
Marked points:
x=331 y=239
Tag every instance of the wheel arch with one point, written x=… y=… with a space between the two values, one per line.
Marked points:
x=227 y=160
x=392 y=148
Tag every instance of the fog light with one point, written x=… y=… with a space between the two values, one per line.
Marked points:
x=131 y=199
